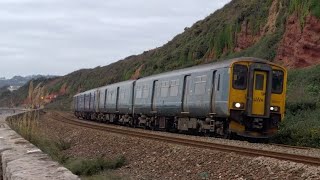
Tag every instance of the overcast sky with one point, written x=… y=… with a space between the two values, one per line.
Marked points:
x=57 y=37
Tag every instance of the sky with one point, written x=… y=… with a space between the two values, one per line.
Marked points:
x=57 y=37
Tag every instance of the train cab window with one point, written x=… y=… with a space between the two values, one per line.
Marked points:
x=277 y=81
x=259 y=82
x=240 y=74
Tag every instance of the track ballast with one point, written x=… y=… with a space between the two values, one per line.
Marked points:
x=189 y=142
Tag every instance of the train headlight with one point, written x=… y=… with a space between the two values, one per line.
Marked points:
x=238 y=105
x=275 y=108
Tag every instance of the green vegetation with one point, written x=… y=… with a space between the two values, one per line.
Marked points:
x=85 y=167
x=301 y=125
x=303 y=8
x=27 y=125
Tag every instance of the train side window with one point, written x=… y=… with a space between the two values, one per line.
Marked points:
x=240 y=74
x=277 y=81
x=122 y=94
x=145 y=92
x=200 y=85
x=174 y=88
x=139 y=92
x=110 y=96
x=164 y=88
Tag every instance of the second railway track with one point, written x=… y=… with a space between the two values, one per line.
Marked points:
x=191 y=142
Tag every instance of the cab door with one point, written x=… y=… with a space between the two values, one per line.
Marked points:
x=259 y=93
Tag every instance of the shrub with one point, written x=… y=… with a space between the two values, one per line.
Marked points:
x=83 y=167
x=301 y=129
x=301 y=125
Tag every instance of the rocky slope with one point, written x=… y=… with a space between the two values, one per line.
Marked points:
x=284 y=31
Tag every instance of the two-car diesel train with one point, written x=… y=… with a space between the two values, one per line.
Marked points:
x=243 y=96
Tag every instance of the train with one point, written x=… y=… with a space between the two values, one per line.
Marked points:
x=236 y=97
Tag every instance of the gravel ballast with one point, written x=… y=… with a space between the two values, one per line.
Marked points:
x=148 y=159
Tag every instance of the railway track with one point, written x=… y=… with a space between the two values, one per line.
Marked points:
x=190 y=142
x=289 y=146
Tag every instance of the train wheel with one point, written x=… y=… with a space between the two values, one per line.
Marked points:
x=228 y=135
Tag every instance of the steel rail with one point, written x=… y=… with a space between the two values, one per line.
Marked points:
x=191 y=142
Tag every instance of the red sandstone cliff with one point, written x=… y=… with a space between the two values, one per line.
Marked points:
x=300 y=47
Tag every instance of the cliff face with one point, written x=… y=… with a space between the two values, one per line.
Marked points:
x=247 y=38
x=300 y=46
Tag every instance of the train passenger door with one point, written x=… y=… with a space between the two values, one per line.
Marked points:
x=154 y=96
x=97 y=102
x=213 y=92
x=89 y=102
x=259 y=93
x=186 y=88
x=117 y=100
x=92 y=104
x=105 y=100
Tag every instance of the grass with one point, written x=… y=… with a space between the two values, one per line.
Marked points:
x=27 y=125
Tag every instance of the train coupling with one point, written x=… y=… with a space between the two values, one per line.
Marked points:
x=257 y=123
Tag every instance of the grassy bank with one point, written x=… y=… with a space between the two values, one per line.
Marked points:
x=301 y=125
x=27 y=125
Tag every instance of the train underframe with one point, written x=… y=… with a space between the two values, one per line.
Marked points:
x=208 y=126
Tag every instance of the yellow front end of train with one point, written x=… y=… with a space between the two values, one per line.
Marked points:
x=256 y=98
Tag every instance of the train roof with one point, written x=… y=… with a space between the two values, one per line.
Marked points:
x=214 y=65
x=86 y=92
x=209 y=66
x=128 y=82
x=106 y=86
